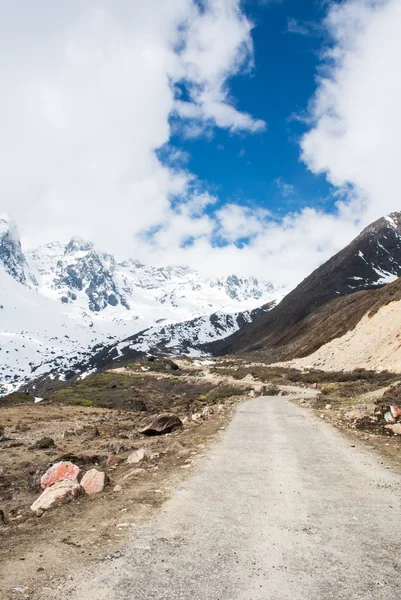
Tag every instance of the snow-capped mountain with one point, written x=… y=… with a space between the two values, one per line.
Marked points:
x=11 y=255
x=187 y=338
x=95 y=284
x=59 y=301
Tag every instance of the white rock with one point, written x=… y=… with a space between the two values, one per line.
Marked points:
x=140 y=455
x=59 y=493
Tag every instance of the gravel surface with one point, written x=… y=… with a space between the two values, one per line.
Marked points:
x=283 y=507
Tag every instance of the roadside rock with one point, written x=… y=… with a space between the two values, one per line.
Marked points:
x=44 y=443
x=395 y=411
x=94 y=481
x=60 y=492
x=163 y=423
x=396 y=428
x=170 y=365
x=207 y=412
x=140 y=455
x=60 y=471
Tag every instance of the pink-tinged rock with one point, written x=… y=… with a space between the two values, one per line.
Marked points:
x=196 y=417
x=94 y=481
x=140 y=455
x=59 y=493
x=395 y=411
x=396 y=428
x=59 y=472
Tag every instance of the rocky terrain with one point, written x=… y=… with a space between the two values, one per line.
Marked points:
x=97 y=456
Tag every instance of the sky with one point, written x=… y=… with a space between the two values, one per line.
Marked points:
x=255 y=137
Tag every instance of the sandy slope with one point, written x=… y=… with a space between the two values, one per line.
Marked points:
x=375 y=343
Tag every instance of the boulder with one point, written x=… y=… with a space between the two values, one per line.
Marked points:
x=58 y=493
x=59 y=472
x=163 y=423
x=94 y=481
x=140 y=455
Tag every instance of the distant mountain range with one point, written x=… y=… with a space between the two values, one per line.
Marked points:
x=60 y=302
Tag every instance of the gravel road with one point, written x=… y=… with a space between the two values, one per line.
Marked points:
x=283 y=507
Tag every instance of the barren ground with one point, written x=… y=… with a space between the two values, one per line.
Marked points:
x=98 y=417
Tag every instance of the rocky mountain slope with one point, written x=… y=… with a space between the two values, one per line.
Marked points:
x=61 y=303
x=321 y=307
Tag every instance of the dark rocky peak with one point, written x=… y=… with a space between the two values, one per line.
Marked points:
x=370 y=261
x=11 y=255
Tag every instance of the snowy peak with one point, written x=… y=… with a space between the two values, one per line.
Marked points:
x=11 y=255
x=86 y=280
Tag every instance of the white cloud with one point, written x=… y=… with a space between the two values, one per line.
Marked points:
x=86 y=96
x=89 y=95
x=356 y=133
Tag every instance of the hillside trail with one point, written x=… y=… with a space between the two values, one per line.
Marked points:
x=282 y=507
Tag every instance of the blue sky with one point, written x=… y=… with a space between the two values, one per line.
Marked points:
x=259 y=169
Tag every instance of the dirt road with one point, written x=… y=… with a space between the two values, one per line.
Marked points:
x=283 y=507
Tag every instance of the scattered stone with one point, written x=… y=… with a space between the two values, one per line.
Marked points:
x=163 y=423
x=42 y=444
x=395 y=411
x=59 y=472
x=388 y=417
x=396 y=429
x=58 y=493
x=170 y=365
x=328 y=406
x=207 y=412
x=196 y=417
x=117 y=488
x=94 y=481
x=140 y=455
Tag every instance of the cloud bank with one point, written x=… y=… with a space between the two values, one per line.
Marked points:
x=91 y=91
